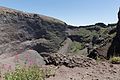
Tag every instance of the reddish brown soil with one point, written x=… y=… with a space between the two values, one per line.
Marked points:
x=101 y=71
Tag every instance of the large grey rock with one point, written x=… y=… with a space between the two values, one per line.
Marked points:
x=26 y=58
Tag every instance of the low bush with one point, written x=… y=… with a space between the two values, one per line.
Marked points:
x=30 y=73
x=115 y=60
x=76 y=46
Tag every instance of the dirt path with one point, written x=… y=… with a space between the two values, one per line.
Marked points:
x=102 y=71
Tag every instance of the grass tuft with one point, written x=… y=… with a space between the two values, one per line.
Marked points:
x=115 y=60
x=30 y=73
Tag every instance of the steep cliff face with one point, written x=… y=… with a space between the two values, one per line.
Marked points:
x=114 y=49
x=26 y=30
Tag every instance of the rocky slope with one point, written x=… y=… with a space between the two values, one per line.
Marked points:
x=93 y=36
x=20 y=31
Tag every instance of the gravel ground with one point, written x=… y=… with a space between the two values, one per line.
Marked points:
x=101 y=71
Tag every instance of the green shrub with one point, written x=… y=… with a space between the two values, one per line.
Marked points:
x=30 y=73
x=115 y=60
x=76 y=46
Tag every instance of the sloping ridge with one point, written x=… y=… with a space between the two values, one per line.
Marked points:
x=45 y=18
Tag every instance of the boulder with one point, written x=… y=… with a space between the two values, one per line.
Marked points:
x=26 y=58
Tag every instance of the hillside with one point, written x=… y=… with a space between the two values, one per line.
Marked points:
x=73 y=52
x=44 y=34
x=97 y=35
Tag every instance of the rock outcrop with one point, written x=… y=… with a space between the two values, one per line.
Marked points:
x=114 y=49
x=69 y=60
x=29 y=31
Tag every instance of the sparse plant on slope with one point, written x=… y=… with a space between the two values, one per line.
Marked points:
x=76 y=46
x=30 y=73
x=115 y=60
x=29 y=70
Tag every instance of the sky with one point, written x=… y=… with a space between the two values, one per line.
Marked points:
x=73 y=12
